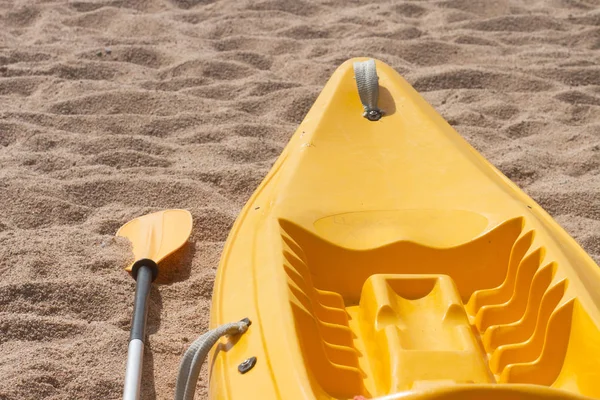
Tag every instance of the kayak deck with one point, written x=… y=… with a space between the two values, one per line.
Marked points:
x=389 y=258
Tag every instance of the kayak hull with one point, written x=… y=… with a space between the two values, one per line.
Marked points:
x=389 y=258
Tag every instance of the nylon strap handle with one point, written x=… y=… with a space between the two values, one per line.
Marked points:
x=367 y=81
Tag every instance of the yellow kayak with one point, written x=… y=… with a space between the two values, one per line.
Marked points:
x=383 y=257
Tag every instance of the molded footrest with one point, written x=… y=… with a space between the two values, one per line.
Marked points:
x=415 y=330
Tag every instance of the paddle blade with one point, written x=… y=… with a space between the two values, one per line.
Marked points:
x=157 y=235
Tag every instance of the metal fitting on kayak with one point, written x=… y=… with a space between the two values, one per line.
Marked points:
x=247 y=365
x=373 y=115
x=367 y=81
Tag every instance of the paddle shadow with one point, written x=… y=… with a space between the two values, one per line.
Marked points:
x=155 y=305
x=178 y=266
x=175 y=268
x=148 y=389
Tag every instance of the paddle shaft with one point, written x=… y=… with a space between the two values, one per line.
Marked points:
x=144 y=275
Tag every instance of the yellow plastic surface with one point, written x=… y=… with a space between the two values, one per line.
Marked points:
x=156 y=236
x=389 y=258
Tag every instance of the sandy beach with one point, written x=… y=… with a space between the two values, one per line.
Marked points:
x=111 y=109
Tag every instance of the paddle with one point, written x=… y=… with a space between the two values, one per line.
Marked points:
x=154 y=237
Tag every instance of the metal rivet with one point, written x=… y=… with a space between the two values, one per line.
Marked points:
x=247 y=365
x=374 y=115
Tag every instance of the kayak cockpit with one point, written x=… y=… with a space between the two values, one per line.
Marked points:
x=390 y=318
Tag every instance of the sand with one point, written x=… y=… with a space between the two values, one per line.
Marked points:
x=112 y=109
